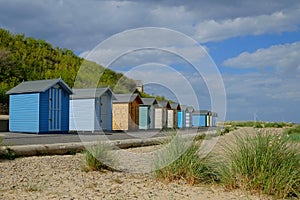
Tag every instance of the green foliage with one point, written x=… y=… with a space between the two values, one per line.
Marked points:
x=259 y=124
x=98 y=157
x=34 y=59
x=265 y=162
x=225 y=130
x=185 y=163
x=293 y=133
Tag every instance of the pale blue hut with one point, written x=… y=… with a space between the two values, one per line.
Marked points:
x=39 y=107
x=147 y=113
x=91 y=110
x=213 y=121
x=201 y=118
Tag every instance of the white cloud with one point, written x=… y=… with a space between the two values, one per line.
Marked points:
x=80 y=25
x=213 y=30
x=269 y=95
x=285 y=58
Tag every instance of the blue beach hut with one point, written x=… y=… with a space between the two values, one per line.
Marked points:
x=201 y=118
x=181 y=117
x=39 y=107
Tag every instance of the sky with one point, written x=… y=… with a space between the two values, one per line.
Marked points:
x=238 y=58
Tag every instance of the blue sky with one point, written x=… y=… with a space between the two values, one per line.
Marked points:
x=255 y=46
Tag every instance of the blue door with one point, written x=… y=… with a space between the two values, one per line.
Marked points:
x=143 y=117
x=179 y=122
x=55 y=108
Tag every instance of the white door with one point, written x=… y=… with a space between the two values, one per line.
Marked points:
x=158 y=118
x=104 y=112
x=170 y=119
x=55 y=108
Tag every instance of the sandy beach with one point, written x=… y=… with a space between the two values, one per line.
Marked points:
x=61 y=177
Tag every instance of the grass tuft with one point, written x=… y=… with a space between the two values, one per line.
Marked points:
x=98 y=157
x=265 y=163
x=225 y=130
x=185 y=163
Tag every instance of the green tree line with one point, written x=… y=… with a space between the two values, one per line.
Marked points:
x=25 y=58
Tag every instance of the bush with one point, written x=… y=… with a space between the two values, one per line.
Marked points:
x=225 y=130
x=259 y=124
x=293 y=133
x=185 y=163
x=98 y=157
x=265 y=163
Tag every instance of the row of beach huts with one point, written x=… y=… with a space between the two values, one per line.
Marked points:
x=51 y=106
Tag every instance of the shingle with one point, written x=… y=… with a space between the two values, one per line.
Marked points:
x=38 y=86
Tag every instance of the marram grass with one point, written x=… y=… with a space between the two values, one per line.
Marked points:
x=98 y=157
x=265 y=163
x=181 y=161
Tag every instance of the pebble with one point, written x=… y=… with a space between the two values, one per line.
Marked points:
x=61 y=177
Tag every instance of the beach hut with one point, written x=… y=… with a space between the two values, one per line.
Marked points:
x=147 y=113
x=39 y=107
x=173 y=115
x=91 y=109
x=201 y=118
x=181 y=116
x=161 y=114
x=126 y=112
x=214 y=117
x=188 y=116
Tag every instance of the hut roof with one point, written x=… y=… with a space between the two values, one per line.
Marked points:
x=149 y=101
x=175 y=106
x=38 y=86
x=127 y=98
x=163 y=104
x=90 y=93
x=190 y=109
x=202 y=112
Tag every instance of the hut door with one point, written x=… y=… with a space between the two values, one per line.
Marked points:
x=104 y=112
x=55 y=108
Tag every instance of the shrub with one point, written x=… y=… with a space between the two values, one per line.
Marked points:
x=259 y=124
x=293 y=133
x=185 y=163
x=226 y=129
x=98 y=157
x=264 y=162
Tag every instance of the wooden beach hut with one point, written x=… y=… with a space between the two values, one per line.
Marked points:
x=173 y=115
x=91 y=109
x=39 y=107
x=161 y=114
x=126 y=112
x=147 y=113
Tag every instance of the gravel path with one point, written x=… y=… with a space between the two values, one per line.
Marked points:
x=61 y=177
